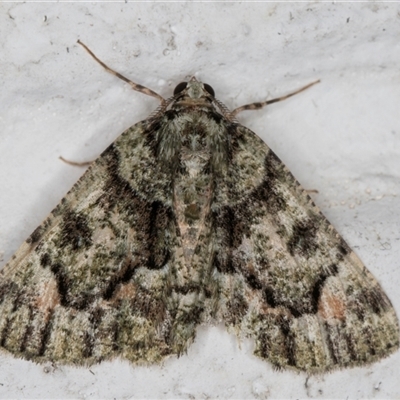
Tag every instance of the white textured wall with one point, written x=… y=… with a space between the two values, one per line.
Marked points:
x=341 y=137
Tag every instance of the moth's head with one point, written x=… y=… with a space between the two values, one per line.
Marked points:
x=194 y=89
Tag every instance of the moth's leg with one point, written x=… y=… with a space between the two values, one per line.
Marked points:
x=309 y=191
x=76 y=164
x=135 y=86
x=258 y=105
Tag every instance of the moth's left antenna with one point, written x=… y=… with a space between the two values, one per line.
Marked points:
x=135 y=86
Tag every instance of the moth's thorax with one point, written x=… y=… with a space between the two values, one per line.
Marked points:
x=193 y=182
x=188 y=103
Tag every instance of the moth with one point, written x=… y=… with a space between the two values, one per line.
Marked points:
x=189 y=218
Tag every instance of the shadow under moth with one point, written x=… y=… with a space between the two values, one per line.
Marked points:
x=189 y=218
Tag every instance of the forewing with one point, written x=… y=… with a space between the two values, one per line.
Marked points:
x=75 y=291
x=288 y=279
x=105 y=274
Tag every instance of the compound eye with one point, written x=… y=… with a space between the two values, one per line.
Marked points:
x=209 y=89
x=181 y=86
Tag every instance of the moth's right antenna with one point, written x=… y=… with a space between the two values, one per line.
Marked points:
x=258 y=105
